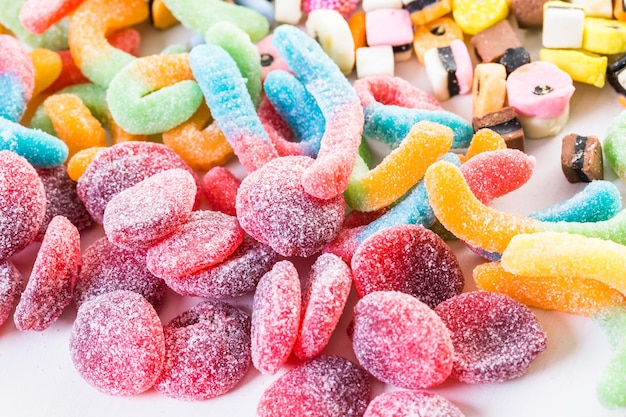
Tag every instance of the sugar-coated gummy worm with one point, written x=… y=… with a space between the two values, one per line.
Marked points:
x=39 y=148
x=55 y=38
x=48 y=66
x=200 y=17
x=90 y=23
x=17 y=78
x=38 y=15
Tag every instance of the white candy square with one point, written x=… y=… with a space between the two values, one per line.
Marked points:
x=375 y=60
x=563 y=25
x=596 y=8
x=437 y=74
x=369 y=5
x=288 y=11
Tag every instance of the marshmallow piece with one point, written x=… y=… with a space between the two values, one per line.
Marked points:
x=449 y=70
x=538 y=127
x=474 y=16
x=505 y=123
x=604 y=36
x=596 y=8
x=333 y=33
x=514 y=58
x=388 y=27
x=563 y=25
x=288 y=11
x=424 y=11
x=488 y=88
x=582 y=66
x=581 y=158
x=491 y=43
x=616 y=74
x=435 y=34
x=375 y=60
x=369 y=5
x=528 y=13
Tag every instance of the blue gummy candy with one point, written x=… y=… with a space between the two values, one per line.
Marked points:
x=39 y=148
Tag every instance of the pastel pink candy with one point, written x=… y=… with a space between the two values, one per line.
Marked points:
x=410 y=404
x=205 y=239
x=38 y=15
x=464 y=67
x=397 y=91
x=275 y=317
x=15 y=59
x=378 y=22
x=150 y=210
x=539 y=89
x=270 y=59
x=220 y=186
x=21 y=213
x=11 y=285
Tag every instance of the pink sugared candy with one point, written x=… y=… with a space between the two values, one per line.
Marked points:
x=323 y=300
x=275 y=317
x=401 y=341
x=50 y=287
x=407 y=258
x=107 y=267
x=235 y=276
x=11 y=285
x=220 y=186
x=273 y=207
x=147 y=212
x=22 y=203
x=328 y=386
x=495 y=338
x=410 y=404
x=205 y=239
x=117 y=343
x=207 y=352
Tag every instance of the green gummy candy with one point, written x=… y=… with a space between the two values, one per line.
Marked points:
x=54 y=38
x=615 y=145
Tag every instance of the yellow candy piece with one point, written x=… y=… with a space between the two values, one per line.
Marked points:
x=582 y=66
x=78 y=163
x=73 y=122
x=161 y=16
x=473 y=16
x=370 y=190
x=604 y=36
x=586 y=297
x=484 y=140
x=199 y=141
x=47 y=65
x=436 y=34
x=549 y=254
x=488 y=88
x=459 y=211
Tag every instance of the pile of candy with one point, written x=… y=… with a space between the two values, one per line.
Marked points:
x=90 y=132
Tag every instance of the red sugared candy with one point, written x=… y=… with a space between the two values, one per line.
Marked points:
x=275 y=317
x=121 y=166
x=207 y=238
x=11 y=285
x=401 y=341
x=207 y=352
x=495 y=338
x=50 y=287
x=327 y=386
x=235 y=276
x=324 y=297
x=410 y=259
x=117 y=343
x=273 y=207
x=220 y=187
x=150 y=210
x=411 y=404
x=22 y=203
x=107 y=267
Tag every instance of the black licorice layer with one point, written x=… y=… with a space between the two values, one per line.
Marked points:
x=613 y=71
x=447 y=59
x=578 y=159
x=417 y=5
x=512 y=125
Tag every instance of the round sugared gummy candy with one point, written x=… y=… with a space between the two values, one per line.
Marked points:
x=117 y=343
x=401 y=341
x=11 y=285
x=273 y=207
x=410 y=259
x=107 y=267
x=327 y=386
x=495 y=338
x=411 y=403
x=207 y=352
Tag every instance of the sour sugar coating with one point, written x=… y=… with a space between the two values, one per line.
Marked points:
x=410 y=259
x=153 y=94
x=370 y=190
x=119 y=167
x=324 y=297
x=207 y=352
x=77 y=164
x=275 y=317
x=270 y=58
x=55 y=37
x=394 y=91
x=200 y=17
x=205 y=239
x=62 y=199
x=11 y=285
x=90 y=23
x=329 y=175
x=411 y=403
x=614 y=145
x=483 y=140
x=47 y=65
x=219 y=187
x=273 y=207
x=150 y=210
x=51 y=284
x=117 y=343
x=17 y=78
x=344 y=7
x=327 y=386
x=37 y=16
x=495 y=338
x=401 y=341
x=586 y=297
x=237 y=275
x=21 y=213
x=106 y=267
